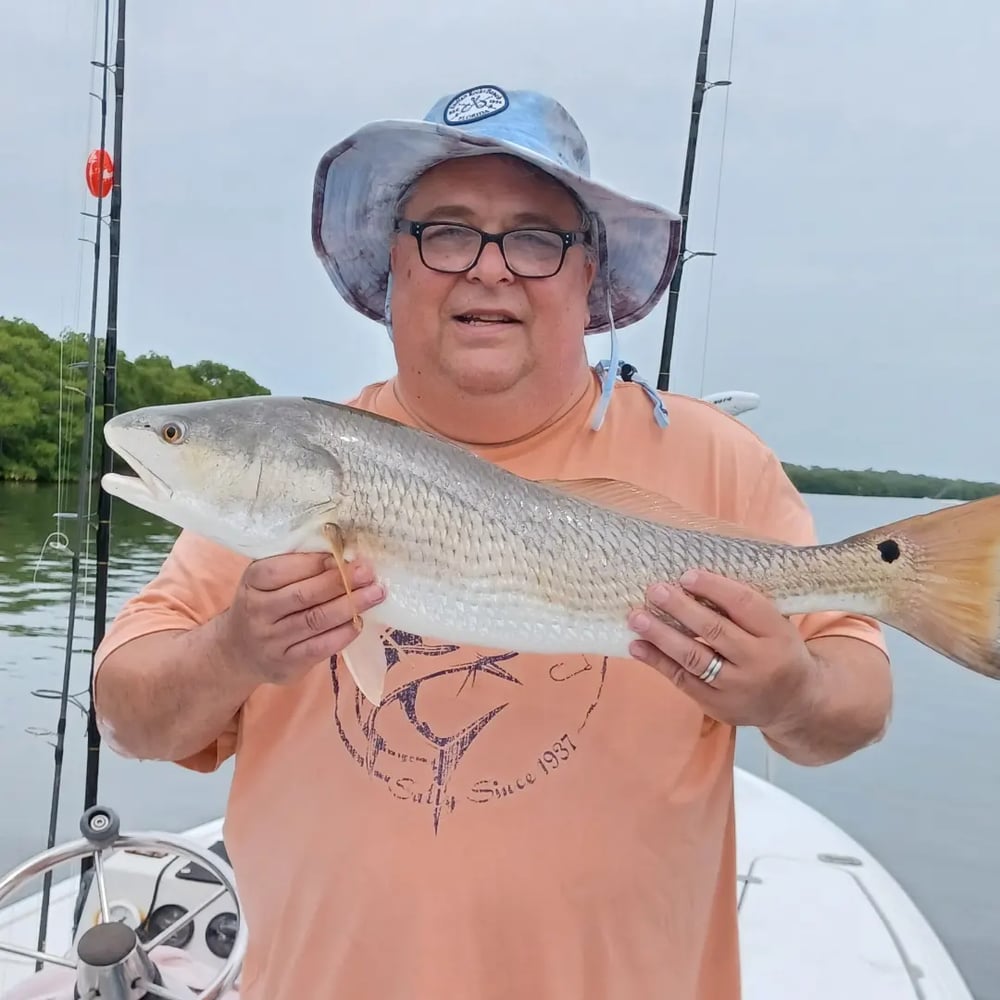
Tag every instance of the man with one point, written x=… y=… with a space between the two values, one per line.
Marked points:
x=502 y=825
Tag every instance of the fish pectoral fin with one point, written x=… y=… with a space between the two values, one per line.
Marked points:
x=627 y=498
x=365 y=657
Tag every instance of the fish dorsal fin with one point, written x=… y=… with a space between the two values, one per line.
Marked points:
x=627 y=498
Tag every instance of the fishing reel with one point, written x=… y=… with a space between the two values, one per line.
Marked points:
x=111 y=961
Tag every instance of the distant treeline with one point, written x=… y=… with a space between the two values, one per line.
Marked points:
x=32 y=363
x=870 y=483
x=43 y=383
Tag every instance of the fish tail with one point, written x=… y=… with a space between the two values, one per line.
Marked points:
x=946 y=593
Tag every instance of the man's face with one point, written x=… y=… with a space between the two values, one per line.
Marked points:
x=487 y=329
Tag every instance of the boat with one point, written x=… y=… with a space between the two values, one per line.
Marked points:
x=819 y=916
x=157 y=913
x=733 y=401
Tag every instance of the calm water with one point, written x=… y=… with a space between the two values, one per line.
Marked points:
x=926 y=800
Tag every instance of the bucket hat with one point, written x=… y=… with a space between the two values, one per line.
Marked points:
x=359 y=182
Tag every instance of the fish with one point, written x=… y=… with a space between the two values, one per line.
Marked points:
x=471 y=553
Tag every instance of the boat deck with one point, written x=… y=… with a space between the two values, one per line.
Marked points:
x=820 y=917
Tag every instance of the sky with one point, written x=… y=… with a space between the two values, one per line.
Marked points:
x=846 y=181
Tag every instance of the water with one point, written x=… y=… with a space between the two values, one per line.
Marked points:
x=926 y=800
x=33 y=619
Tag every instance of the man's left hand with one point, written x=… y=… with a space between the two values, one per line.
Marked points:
x=768 y=678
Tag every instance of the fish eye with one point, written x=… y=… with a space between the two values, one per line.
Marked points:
x=172 y=432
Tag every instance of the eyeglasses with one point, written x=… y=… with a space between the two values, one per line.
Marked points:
x=453 y=248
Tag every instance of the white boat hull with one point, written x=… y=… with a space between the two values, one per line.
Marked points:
x=818 y=915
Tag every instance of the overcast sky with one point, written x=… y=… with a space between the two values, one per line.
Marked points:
x=856 y=284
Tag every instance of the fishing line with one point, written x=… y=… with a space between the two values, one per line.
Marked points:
x=768 y=755
x=718 y=199
x=61 y=542
x=73 y=699
x=64 y=433
x=85 y=475
x=111 y=14
x=57 y=540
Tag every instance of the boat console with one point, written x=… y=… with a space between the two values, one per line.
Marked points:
x=157 y=916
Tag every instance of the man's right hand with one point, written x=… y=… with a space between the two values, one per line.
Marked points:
x=292 y=611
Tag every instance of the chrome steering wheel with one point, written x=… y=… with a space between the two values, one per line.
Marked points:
x=111 y=962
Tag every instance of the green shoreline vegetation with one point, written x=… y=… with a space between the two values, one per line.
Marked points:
x=40 y=440
x=42 y=421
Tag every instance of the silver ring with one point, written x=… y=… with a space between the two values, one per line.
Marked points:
x=712 y=670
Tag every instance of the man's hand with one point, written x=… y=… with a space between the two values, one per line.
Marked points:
x=292 y=611
x=768 y=677
x=814 y=702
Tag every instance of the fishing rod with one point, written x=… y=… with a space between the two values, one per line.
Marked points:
x=109 y=396
x=81 y=516
x=701 y=84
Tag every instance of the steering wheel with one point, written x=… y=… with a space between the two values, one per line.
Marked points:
x=110 y=959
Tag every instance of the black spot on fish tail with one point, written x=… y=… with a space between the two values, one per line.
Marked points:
x=889 y=550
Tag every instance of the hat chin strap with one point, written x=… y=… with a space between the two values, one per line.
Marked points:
x=388 y=304
x=609 y=370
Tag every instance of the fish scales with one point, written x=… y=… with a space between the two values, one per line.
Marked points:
x=459 y=540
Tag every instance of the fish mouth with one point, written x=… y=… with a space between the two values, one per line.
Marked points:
x=145 y=484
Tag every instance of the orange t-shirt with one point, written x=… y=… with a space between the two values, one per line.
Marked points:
x=504 y=825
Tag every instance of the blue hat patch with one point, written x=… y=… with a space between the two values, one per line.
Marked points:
x=475 y=104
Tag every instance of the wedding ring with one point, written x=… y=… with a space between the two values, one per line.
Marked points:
x=712 y=670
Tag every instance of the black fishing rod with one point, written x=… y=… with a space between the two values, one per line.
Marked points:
x=81 y=516
x=109 y=396
x=701 y=84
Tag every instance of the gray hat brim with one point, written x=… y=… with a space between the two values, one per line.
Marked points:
x=359 y=181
